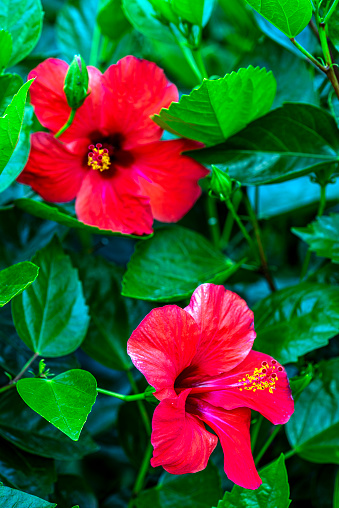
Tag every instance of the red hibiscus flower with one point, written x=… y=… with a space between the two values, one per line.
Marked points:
x=199 y=359
x=111 y=159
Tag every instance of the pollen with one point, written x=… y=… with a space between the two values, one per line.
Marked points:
x=264 y=377
x=98 y=157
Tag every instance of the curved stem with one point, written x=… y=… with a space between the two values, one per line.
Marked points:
x=329 y=70
x=187 y=54
x=225 y=236
x=140 y=480
x=308 y=55
x=331 y=11
x=67 y=124
x=267 y=444
x=200 y=63
x=241 y=226
x=127 y=398
x=290 y=454
x=13 y=382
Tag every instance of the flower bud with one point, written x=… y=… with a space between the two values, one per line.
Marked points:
x=76 y=82
x=164 y=11
x=221 y=184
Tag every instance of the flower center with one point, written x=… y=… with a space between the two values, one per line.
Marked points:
x=98 y=157
x=262 y=378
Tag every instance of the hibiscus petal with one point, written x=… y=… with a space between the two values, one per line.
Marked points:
x=162 y=346
x=226 y=326
x=50 y=103
x=269 y=396
x=181 y=442
x=55 y=170
x=135 y=90
x=169 y=178
x=233 y=430
x=114 y=203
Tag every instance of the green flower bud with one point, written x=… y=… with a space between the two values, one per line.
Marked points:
x=222 y=185
x=76 y=83
x=164 y=11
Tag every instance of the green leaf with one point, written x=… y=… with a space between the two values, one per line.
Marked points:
x=132 y=436
x=169 y=266
x=48 y=212
x=199 y=490
x=9 y=85
x=19 y=157
x=273 y=492
x=23 y=20
x=142 y=16
x=10 y=498
x=65 y=400
x=15 y=279
x=51 y=317
x=27 y=430
x=220 y=108
x=112 y=20
x=299 y=383
x=5 y=49
x=289 y=16
x=295 y=320
x=75 y=27
x=322 y=236
x=286 y=143
x=333 y=29
x=197 y=12
x=10 y=124
x=313 y=429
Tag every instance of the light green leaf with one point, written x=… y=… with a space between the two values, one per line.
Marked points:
x=290 y=16
x=313 y=429
x=172 y=264
x=112 y=20
x=15 y=279
x=199 y=490
x=273 y=492
x=65 y=400
x=142 y=16
x=220 y=108
x=5 y=49
x=288 y=142
x=295 y=320
x=10 y=124
x=54 y=213
x=20 y=155
x=11 y=498
x=51 y=316
x=322 y=236
x=197 y=12
x=23 y=20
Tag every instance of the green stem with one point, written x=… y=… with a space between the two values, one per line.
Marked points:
x=200 y=63
x=141 y=406
x=127 y=398
x=140 y=480
x=290 y=454
x=213 y=220
x=226 y=234
x=267 y=444
x=308 y=55
x=13 y=382
x=7 y=387
x=336 y=491
x=331 y=11
x=186 y=51
x=93 y=57
x=255 y=432
x=67 y=124
x=329 y=70
x=321 y=208
x=240 y=224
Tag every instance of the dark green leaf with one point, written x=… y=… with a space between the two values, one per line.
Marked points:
x=273 y=492
x=299 y=383
x=10 y=124
x=23 y=20
x=142 y=16
x=11 y=498
x=5 y=48
x=199 y=490
x=15 y=279
x=169 y=266
x=220 y=108
x=322 y=236
x=286 y=143
x=24 y=471
x=197 y=12
x=132 y=436
x=9 y=85
x=49 y=212
x=296 y=320
x=72 y=488
x=65 y=400
x=27 y=430
x=112 y=20
x=20 y=155
x=75 y=27
x=51 y=317
x=313 y=430
x=289 y=16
